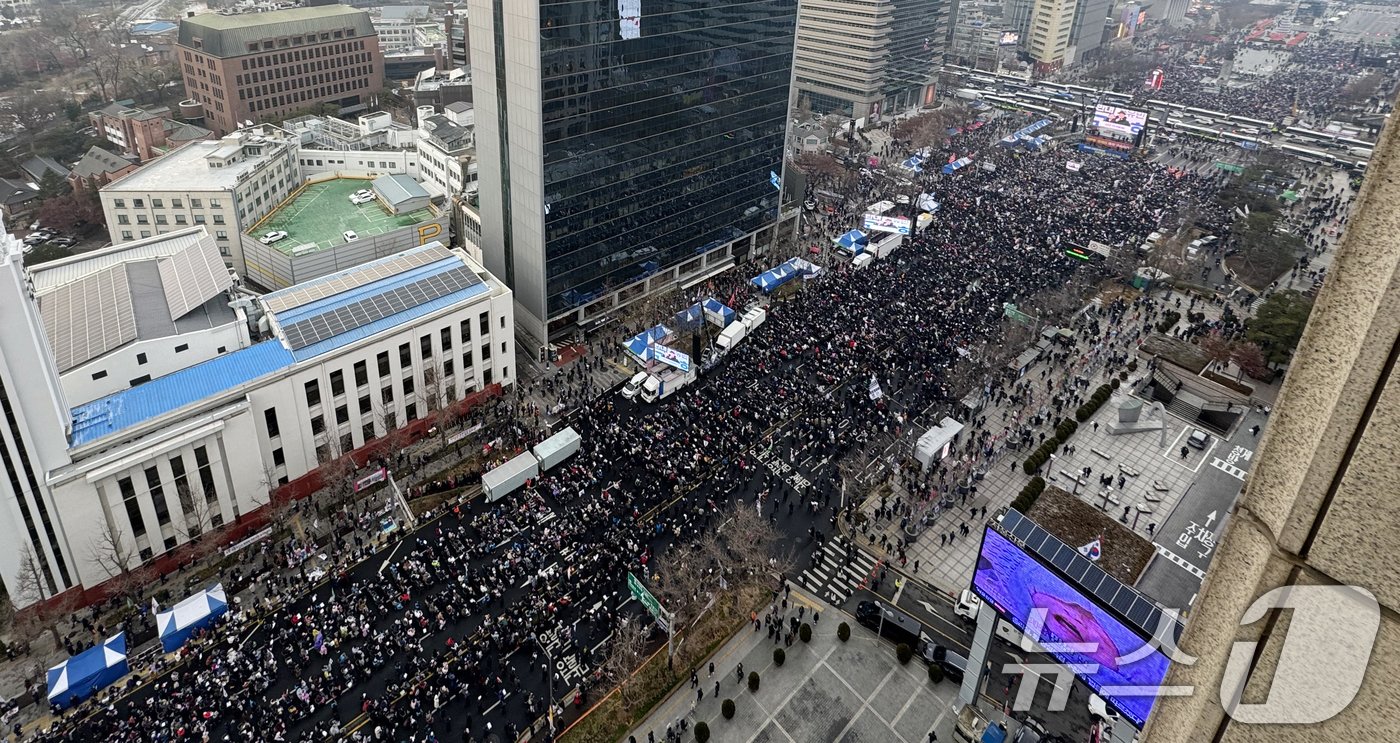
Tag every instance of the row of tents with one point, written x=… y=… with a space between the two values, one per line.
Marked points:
x=98 y=667
x=798 y=267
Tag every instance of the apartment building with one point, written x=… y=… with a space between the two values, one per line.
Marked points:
x=263 y=66
x=143 y=132
x=227 y=185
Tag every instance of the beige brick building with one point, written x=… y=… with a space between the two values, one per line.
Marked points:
x=1320 y=508
x=265 y=66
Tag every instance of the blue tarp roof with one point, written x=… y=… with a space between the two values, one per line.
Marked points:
x=914 y=163
x=957 y=164
x=184 y=619
x=84 y=674
x=121 y=410
x=775 y=277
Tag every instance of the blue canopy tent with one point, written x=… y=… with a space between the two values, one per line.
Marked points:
x=689 y=318
x=1036 y=143
x=774 y=277
x=1009 y=140
x=197 y=612
x=852 y=241
x=640 y=344
x=957 y=164
x=914 y=163
x=718 y=312
x=84 y=674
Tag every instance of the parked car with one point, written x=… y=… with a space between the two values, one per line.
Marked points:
x=896 y=625
x=349 y=235
x=273 y=237
x=64 y=242
x=361 y=196
x=1198 y=439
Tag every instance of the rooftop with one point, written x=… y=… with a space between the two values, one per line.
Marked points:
x=121 y=410
x=93 y=303
x=229 y=35
x=339 y=309
x=320 y=212
x=185 y=168
x=97 y=161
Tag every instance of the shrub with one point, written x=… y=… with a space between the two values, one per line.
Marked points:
x=702 y=732
x=935 y=673
x=805 y=632
x=753 y=680
x=1030 y=465
x=1066 y=429
x=727 y=709
x=904 y=653
x=779 y=656
x=1118 y=380
x=843 y=631
x=1133 y=365
x=1169 y=319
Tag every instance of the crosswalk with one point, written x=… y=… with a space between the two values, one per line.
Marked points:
x=832 y=576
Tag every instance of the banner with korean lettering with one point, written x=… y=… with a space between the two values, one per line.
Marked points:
x=885 y=223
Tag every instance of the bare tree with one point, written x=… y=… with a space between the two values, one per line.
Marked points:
x=198 y=523
x=33 y=588
x=685 y=581
x=626 y=650
x=337 y=476
x=119 y=560
x=435 y=397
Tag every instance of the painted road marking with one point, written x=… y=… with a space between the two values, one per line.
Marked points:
x=1181 y=562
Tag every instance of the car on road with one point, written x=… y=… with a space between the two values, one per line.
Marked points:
x=349 y=235
x=273 y=237
x=890 y=622
x=634 y=385
x=1198 y=439
x=1032 y=731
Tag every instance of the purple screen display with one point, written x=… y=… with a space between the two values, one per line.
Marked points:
x=1015 y=583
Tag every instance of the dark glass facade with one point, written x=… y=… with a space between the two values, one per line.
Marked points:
x=918 y=35
x=662 y=121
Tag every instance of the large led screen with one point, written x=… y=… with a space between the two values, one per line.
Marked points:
x=1015 y=583
x=1121 y=121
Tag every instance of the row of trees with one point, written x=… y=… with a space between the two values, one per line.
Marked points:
x=743 y=552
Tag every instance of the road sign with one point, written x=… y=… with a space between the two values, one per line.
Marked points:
x=1012 y=313
x=640 y=593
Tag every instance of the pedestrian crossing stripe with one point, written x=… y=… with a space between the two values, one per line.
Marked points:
x=831 y=577
x=1228 y=468
x=1181 y=562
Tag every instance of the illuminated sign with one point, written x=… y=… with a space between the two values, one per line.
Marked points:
x=1122 y=121
x=629 y=15
x=884 y=223
x=1105 y=652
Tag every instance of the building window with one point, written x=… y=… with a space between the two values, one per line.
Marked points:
x=405 y=357
x=342 y=414
x=221 y=235
x=425 y=347
x=387 y=394
x=313 y=394
x=206 y=474
x=467 y=360
x=367 y=431
x=133 y=507
x=218 y=219
x=183 y=347
x=410 y=412
x=337 y=383
x=361 y=374
x=364 y=405
x=485 y=322
x=407 y=387
x=123 y=219
x=486 y=352
x=318 y=424
x=119 y=203
x=447 y=369
x=278 y=458
x=446 y=338
x=126 y=234
x=347 y=443
x=181 y=219
x=383 y=360
x=197 y=203
x=138 y=203
x=270 y=418
x=157 y=495
x=176 y=204
x=99 y=375
x=160 y=219
x=144 y=378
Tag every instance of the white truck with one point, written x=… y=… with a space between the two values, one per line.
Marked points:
x=731 y=335
x=754 y=318
x=662 y=384
x=969 y=605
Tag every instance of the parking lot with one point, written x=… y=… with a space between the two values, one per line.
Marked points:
x=320 y=212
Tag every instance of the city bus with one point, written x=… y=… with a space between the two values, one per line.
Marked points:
x=1206 y=113
x=1311 y=156
x=1199 y=131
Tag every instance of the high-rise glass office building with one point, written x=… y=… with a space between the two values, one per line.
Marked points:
x=624 y=145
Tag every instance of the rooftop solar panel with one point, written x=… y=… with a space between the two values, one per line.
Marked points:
x=1140 y=612
x=355 y=278
x=373 y=308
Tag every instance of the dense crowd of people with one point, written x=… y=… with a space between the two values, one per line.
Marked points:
x=452 y=633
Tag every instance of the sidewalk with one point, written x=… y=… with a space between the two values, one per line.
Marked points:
x=826 y=690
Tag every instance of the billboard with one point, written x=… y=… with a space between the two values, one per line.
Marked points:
x=885 y=223
x=671 y=357
x=1020 y=587
x=1124 y=122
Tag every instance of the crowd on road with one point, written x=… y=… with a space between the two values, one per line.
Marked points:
x=459 y=631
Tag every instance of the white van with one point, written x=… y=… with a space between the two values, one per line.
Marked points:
x=634 y=385
x=1153 y=238
x=969 y=605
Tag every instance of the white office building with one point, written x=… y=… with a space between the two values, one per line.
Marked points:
x=226 y=185
x=304 y=374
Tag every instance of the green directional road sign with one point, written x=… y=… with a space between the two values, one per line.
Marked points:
x=640 y=593
x=1011 y=312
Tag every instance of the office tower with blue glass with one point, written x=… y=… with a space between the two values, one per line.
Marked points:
x=625 y=146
